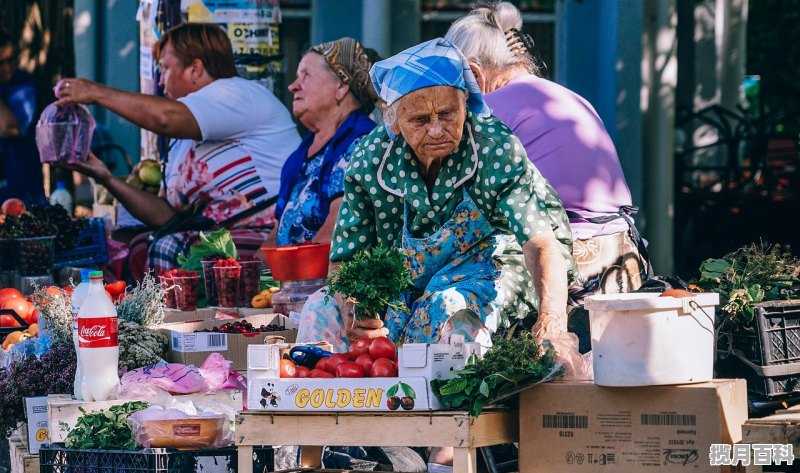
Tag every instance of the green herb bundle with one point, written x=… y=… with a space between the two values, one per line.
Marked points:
x=374 y=278
x=750 y=275
x=217 y=243
x=106 y=429
x=510 y=365
x=144 y=305
x=140 y=346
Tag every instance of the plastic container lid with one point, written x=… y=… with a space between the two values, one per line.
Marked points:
x=60 y=185
x=95 y=274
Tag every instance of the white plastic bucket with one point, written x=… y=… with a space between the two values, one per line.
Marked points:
x=641 y=339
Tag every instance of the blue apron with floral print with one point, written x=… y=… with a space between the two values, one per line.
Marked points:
x=455 y=273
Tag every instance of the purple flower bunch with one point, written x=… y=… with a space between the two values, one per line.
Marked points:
x=52 y=373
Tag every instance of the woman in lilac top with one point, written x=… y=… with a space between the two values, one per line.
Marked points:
x=568 y=143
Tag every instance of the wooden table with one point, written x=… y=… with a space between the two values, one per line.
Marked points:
x=313 y=430
x=783 y=427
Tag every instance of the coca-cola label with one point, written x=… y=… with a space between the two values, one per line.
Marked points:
x=98 y=332
x=186 y=430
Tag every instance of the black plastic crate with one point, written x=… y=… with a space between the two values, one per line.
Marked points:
x=773 y=341
x=90 y=248
x=56 y=458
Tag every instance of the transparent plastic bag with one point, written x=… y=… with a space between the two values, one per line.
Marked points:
x=64 y=134
x=158 y=427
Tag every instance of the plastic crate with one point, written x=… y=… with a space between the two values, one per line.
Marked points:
x=90 y=248
x=56 y=458
x=774 y=340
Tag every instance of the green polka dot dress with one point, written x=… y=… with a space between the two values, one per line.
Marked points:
x=505 y=185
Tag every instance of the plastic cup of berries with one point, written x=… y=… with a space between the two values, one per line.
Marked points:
x=210 y=282
x=249 y=280
x=185 y=283
x=227 y=273
x=169 y=291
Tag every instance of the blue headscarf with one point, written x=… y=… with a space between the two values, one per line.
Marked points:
x=434 y=62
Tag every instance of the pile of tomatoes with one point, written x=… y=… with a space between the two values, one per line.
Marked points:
x=12 y=299
x=367 y=358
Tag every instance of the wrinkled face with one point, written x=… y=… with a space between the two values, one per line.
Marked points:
x=314 y=89
x=8 y=63
x=432 y=120
x=176 y=79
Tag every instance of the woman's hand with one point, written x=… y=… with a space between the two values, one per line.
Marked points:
x=358 y=328
x=74 y=90
x=92 y=167
x=553 y=328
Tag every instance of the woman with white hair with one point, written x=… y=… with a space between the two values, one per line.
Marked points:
x=566 y=140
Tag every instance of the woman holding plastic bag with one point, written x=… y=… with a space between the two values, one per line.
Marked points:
x=231 y=139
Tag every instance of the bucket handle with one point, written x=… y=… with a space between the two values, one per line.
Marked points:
x=689 y=306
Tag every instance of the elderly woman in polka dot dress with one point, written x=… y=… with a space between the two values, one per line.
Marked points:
x=485 y=235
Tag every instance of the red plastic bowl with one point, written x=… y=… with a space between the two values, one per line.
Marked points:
x=294 y=262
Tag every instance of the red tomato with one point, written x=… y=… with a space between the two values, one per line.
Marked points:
x=365 y=362
x=334 y=361
x=68 y=290
x=382 y=347
x=288 y=369
x=383 y=368
x=349 y=369
x=54 y=291
x=302 y=372
x=322 y=364
x=8 y=321
x=22 y=307
x=9 y=293
x=315 y=373
x=359 y=347
x=33 y=317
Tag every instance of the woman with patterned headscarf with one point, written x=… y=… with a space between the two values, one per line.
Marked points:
x=485 y=236
x=332 y=99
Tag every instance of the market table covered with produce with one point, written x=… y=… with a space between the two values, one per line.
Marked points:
x=314 y=430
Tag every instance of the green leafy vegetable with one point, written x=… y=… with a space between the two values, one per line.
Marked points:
x=750 y=275
x=217 y=243
x=374 y=278
x=509 y=366
x=106 y=429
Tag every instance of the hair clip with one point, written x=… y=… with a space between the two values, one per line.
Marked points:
x=518 y=42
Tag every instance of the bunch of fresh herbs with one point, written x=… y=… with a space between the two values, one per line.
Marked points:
x=140 y=346
x=374 y=278
x=144 y=305
x=106 y=429
x=217 y=243
x=750 y=275
x=55 y=314
x=509 y=366
x=29 y=376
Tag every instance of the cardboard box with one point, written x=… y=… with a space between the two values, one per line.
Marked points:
x=336 y=394
x=580 y=427
x=22 y=461
x=36 y=415
x=188 y=346
x=172 y=316
x=62 y=414
x=435 y=361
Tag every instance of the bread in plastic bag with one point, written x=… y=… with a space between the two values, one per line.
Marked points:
x=64 y=134
x=164 y=428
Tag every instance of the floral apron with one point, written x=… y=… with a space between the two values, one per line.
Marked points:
x=462 y=283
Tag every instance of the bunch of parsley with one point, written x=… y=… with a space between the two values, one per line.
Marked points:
x=510 y=365
x=374 y=278
x=105 y=429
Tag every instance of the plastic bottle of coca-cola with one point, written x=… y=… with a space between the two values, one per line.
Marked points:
x=78 y=295
x=98 y=348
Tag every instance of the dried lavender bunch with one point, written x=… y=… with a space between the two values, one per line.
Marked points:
x=52 y=373
x=144 y=304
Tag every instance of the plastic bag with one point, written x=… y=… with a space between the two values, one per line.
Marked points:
x=163 y=428
x=64 y=134
x=217 y=374
x=176 y=378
